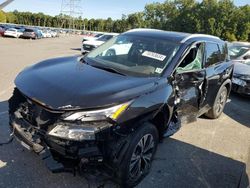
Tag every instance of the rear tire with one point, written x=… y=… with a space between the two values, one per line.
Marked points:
x=219 y=104
x=137 y=159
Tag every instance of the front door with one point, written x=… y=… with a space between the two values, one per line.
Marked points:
x=190 y=83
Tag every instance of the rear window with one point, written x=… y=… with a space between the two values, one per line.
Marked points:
x=29 y=30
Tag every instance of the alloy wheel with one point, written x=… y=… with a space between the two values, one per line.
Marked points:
x=141 y=158
x=221 y=101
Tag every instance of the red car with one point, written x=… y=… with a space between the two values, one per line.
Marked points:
x=2 y=30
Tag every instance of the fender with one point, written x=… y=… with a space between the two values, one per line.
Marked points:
x=228 y=84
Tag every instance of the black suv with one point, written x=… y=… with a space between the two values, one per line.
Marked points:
x=112 y=106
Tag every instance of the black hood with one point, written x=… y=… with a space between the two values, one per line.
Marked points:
x=66 y=83
x=241 y=68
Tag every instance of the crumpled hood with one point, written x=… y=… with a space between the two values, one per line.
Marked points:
x=241 y=68
x=66 y=83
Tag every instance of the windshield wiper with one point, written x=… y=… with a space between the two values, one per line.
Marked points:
x=109 y=69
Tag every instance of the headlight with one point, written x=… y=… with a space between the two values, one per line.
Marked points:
x=96 y=115
x=245 y=77
x=92 y=123
x=75 y=132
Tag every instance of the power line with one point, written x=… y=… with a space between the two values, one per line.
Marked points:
x=70 y=10
x=4 y=4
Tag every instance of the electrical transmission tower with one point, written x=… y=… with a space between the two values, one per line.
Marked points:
x=70 y=10
x=5 y=3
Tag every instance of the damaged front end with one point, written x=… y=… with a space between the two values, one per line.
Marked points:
x=60 y=141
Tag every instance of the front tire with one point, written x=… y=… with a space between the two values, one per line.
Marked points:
x=219 y=104
x=137 y=160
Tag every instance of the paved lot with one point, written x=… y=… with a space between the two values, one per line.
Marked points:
x=207 y=153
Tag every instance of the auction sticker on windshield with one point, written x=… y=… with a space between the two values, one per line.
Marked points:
x=154 y=55
x=158 y=70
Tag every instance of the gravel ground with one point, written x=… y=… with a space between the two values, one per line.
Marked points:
x=207 y=153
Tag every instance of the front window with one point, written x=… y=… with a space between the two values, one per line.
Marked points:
x=193 y=60
x=134 y=55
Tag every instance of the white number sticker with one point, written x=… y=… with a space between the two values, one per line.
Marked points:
x=154 y=55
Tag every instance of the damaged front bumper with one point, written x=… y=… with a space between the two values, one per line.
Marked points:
x=58 y=153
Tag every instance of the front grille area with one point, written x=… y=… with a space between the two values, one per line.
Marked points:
x=31 y=112
x=36 y=115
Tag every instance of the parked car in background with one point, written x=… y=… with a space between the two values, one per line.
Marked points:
x=54 y=34
x=239 y=51
x=2 y=30
x=87 y=46
x=12 y=32
x=111 y=110
x=240 y=55
x=31 y=33
x=92 y=37
x=46 y=34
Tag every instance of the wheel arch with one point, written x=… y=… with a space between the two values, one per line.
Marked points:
x=228 y=85
x=161 y=118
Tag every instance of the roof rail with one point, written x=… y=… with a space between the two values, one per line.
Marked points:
x=198 y=35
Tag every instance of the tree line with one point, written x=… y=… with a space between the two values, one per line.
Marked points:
x=221 y=18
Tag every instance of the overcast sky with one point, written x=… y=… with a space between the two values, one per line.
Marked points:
x=91 y=8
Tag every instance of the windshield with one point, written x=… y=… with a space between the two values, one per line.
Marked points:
x=98 y=35
x=134 y=55
x=237 y=51
x=105 y=38
x=12 y=30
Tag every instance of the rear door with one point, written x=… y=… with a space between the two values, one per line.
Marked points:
x=189 y=84
x=218 y=69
